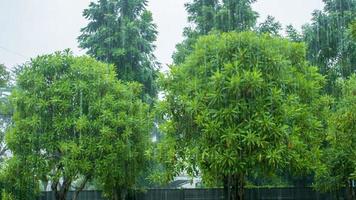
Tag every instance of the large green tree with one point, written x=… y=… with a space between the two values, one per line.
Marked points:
x=121 y=32
x=241 y=104
x=330 y=46
x=337 y=166
x=74 y=120
x=210 y=15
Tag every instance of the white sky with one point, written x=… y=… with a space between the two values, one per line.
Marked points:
x=32 y=27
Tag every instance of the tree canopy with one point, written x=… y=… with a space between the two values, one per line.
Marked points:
x=270 y=26
x=240 y=104
x=210 y=15
x=74 y=120
x=293 y=35
x=122 y=32
x=337 y=167
x=329 y=42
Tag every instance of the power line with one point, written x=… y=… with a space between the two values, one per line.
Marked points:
x=12 y=52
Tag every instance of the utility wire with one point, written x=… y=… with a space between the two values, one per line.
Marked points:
x=12 y=52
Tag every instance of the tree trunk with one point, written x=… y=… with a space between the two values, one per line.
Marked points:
x=226 y=188
x=76 y=194
x=337 y=195
x=115 y=194
x=59 y=195
x=61 y=190
x=119 y=193
x=241 y=186
x=349 y=190
x=353 y=190
x=238 y=187
x=45 y=184
x=123 y=193
x=80 y=188
x=234 y=187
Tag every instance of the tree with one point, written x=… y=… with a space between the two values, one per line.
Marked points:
x=74 y=120
x=270 y=26
x=8 y=184
x=241 y=104
x=236 y=15
x=330 y=46
x=337 y=164
x=5 y=108
x=121 y=32
x=202 y=13
x=214 y=15
x=293 y=35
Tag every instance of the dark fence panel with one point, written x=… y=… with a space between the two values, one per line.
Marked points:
x=160 y=194
x=213 y=194
x=84 y=195
x=289 y=194
x=203 y=194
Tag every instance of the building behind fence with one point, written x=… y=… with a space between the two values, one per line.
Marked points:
x=214 y=194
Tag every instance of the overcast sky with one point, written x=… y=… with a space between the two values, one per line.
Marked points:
x=32 y=27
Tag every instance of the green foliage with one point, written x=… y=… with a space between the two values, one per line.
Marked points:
x=330 y=46
x=353 y=30
x=293 y=35
x=337 y=164
x=5 y=108
x=213 y=15
x=203 y=14
x=17 y=181
x=226 y=15
x=4 y=76
x=241 y=104
x=121 y=32
x=270 y=26
x=236 y=15
x=6 y=196
x=74 y=119
x=185 y=48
